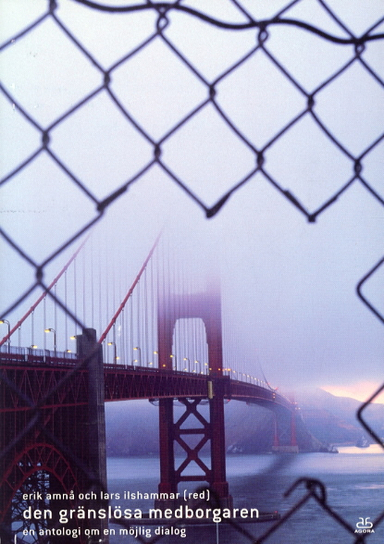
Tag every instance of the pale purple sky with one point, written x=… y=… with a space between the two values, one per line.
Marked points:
x=288 y=286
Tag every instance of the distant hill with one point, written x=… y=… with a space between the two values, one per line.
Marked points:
x=333 y=419
x=323 y=419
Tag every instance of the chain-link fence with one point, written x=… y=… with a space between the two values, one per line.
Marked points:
x=103 y=78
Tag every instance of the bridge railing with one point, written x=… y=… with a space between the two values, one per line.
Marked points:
x=10 y=354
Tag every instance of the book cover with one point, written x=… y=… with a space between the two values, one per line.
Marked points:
x=191 y=313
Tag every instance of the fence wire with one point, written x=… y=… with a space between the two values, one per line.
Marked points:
x=343 y=37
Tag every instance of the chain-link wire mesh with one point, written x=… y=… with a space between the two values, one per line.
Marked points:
x=105 y=75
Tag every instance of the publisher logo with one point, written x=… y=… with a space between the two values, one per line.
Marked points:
x=364 y=526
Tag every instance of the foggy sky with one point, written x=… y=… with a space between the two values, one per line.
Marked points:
x=288 y=286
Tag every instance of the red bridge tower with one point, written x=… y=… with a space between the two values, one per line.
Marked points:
x=207 y=306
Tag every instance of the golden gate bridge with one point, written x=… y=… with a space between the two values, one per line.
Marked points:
x=163 y=340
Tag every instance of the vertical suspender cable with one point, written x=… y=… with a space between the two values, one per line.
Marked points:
x=114 y=306
x=92 y=288
x=130 y=346
x=84 y=294
x=138 y=324
x=99 y=270
x=145 y=357
x=65 y=314
x=45 y=322
x=32 y=329
x=55 y=308
x=106 y=291
x=75 y=291
x=153 y=309
x=185 y=280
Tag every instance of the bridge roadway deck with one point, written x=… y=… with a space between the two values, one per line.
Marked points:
x=58 y=381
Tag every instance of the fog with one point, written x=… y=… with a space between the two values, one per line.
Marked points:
x=288 y=284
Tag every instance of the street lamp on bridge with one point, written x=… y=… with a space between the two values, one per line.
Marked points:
x=157 y=355
x=114 y=351
x=138 y=360
x=73 y=337
x=6 y=322
x=54 y=338
x=174 y=361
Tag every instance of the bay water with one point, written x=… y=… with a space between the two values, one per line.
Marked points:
x=354 y=486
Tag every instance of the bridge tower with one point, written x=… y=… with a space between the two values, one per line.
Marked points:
x=51 y=438
x=206 y=306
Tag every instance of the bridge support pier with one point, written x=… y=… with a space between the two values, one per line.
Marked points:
x=88 y=347
x=219 y=484
x=192 y=439
x=285 y=441
x=168 y=484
